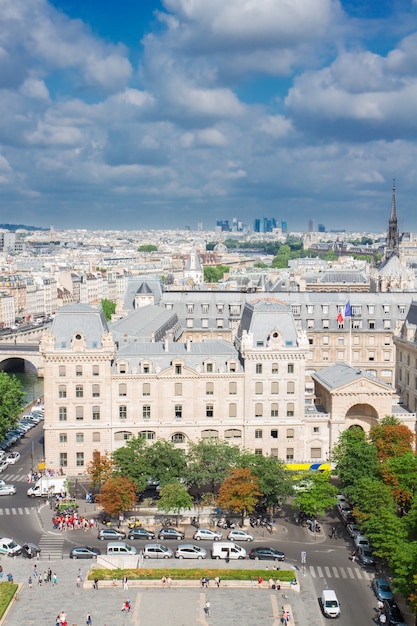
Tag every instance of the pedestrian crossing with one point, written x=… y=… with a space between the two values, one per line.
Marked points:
x=51 y=547
x=347 y=573
x=17 y=477
x=18 y=510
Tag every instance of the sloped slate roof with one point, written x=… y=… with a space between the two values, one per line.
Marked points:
x=80 y=319
x=341 y=374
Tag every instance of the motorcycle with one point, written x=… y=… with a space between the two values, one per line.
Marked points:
x=226 y=524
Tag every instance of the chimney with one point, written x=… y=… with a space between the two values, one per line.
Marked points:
x=188 y=344
x=166 y=343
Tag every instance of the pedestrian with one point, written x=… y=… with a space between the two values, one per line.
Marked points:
x=35 y=571
x=207 y=608
x=252 y=580
x=163 y=582
x=260 y=581
x=203 y=582
x=30 y=582
x=333 y=532
x=58 y=620
x=63 y=617
x=45 y=577
x=382 y=619
x=78 y=581
x=1 y=572
x=207 y=581
x=169 y=581
x=54 y=580
x=80 y=574
x=217 y=581
x=353 y=554
x=49 y=575
x=125 y=585
x=95 y=583
x=89 y=620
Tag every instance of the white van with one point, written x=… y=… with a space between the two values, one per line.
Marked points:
x=120 y=548
x=227 y=550
x=330 y=603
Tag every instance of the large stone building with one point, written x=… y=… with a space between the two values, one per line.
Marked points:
x=251 y=370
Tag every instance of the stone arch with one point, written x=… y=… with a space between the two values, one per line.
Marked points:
x=18 y=364
x=361 y=415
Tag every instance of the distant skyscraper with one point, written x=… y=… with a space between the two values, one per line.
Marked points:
x=321 y=228
x=310 y=226
x=284 y=227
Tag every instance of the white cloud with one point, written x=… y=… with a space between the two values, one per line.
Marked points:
x=206 y=137
x=34 y=88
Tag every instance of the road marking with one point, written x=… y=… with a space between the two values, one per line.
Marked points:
x=359 y=573
x=344 y=575
x=327 y=571
x=320 y=572
x=275 y=610
x=335 y=572
x=312 y=571
x=351 y=574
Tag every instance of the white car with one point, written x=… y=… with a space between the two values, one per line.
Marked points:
x=239 y=535
x=13 y=457
x=7 y=490
x=3 y=465
x=206 y=533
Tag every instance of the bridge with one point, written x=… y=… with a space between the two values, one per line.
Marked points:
x=16 y=355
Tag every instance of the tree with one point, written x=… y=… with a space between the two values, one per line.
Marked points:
x=391 y=438
x=275 y=481
x=164 y=462
x=214 y=274
x=108 y=307
x=319 y=497
x=148 y=247
x=131 y=461
x=174 y=497
x=100 y=468
x=11 y=402
x=355 y=458
x=208 y=460
x=239 y=492
x=400 y=472
x=118 y=495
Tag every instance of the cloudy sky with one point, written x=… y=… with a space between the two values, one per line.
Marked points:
x=163 y=113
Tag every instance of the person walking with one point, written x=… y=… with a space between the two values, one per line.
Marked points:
x=54 y=580
x=207 y=608
x=78 y=581
x=333 y=533
x=125 y=585
x=217 y=581
x=89 y=620
x=30 y=582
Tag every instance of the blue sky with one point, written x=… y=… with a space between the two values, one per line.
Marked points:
x=161 y=114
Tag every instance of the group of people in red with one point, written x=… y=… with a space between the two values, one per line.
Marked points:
x=72 y=521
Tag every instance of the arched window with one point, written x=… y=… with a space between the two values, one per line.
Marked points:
x=233 y=433
x=96 y=437
x=122 y=435
x=178 y=438
x=210 y=434
x=259 y=389
x=148 y=434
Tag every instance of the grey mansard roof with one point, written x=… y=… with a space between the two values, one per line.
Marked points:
x=141 y=285
x=341 y=374
x=145 y=323
x=263 y=316
x=80 y=319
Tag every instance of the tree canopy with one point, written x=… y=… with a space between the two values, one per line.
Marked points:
x=118 y=494
x=174 y=497
x=11 y=402
x=239 y=492
x=108 y=307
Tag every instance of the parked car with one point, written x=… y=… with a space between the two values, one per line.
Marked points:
x=9 y=547
x=207 y=534
x=361 y=541
x=264 y=553
x=84 y=552
x=170 y=533
x=239 y=535
x=13 y=457
x=7 y=490
x=365 y=556
x=111 y=534
x=141 y=533
x=382 y=589
x=393 y=613
x=353 y=530
x=190 y=551
x=3 y=465
x=30 y=550
x=157 y=551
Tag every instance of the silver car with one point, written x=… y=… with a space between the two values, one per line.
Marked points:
x=157 y=551
x=190 y=551
x=207 y=534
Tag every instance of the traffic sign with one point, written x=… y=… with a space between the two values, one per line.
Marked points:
x=303 y=557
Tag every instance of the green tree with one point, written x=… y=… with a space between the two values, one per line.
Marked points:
x=164 y=462
x=214 y=274
x=109 y=308
x=118 y=495
x=11 y=402
x=175 y=498
x=391 y=438
x=208 y=460
x=148 y=247
x=239 y=492
x=319 y=497
x=355 y=458
x=131 y=461
x=275 y=481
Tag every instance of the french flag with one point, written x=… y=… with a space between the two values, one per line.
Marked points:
x=348 y=313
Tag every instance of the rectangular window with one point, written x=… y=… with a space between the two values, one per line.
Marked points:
x=232 y=409
x=96 y=391
x=79 y=413
x=63 y=459
x=62 y=391
x=274 y=388
x=310 y=324
x=79 y=391
x=62 y=411
x=62 y=371
x=258 y=434
x=316 y=429
x=371 y=324
x=274 y=434
x=401 y=309
x=96 y=370
x=290 y=433
x=78 y=370
x=325 y=309
x=146 y=412
x=387 y=324
x=146 y=369
x=219 y=322
x=178 y=411
x=209 y=367
x=386 y=309
x=289 y=455
x=387 y=340
x=274 y=368
x=371 y=356
x=209 y=389
x=205 y=308
x=356 y=356
x=258 y=368
x=232 y=388
x=258 y=389
x=315 y=453
x=290 y=368
x=62 y=437
x=123 y=412
x=325 y=340
x=340 y=356
x=189 y=322
x=178 y=369
x=122 y=389
x=96 y=437
x=258 y=451
x=209 y=410
x=357 y=324
x=325 y=323
x=340 y=341
x=290 y=409
x=310 y=309
x=290 y=387
x=79 y=437
x=178 y=389
x=387 y=356
x=325 y=355
x=80 y=459
x=204 y=322
x=96 y=413
x=259 y=410
x=274 y=410
x=190 y=308
x=146 y=389
x=371 y=309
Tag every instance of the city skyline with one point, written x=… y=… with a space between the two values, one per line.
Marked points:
x=176 y=113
